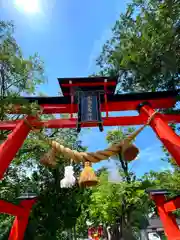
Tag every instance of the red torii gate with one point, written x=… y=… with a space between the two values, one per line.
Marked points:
x=103 y=89
x=165 y=208
x=21 y=213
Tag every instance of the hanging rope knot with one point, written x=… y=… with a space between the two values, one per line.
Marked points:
x=49 y=158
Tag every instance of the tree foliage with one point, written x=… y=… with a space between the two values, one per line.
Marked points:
x=123 y=203
x=57 y=209
x=17 y=74
x=144 y=49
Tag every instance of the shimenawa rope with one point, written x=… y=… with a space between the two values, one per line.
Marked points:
x=90 y=156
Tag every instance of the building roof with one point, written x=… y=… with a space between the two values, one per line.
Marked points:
x=155 y=223
x=88 y=81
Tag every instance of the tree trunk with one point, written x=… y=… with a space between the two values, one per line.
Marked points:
x=106 y=234
x=119 y=233
x=113 y=232
x=127 y=234
x=74 y=232
x=116 y=232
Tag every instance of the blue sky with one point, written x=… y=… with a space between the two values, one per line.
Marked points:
x=69 y=35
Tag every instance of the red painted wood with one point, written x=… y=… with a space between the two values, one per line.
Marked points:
x=9 y=148
x=11 y=209
x=172 y=204
x=171 y=228
x=105 y=99
x=20 y=223
x=86 y=84
x=165 y=133
x=172 y=118
x=113 y=106
x=71 y=123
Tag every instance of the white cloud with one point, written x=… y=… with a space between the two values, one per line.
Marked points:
x=151 y=154
x=97 y=47
x=165 y=168
x=113 y=170
x=114 y=175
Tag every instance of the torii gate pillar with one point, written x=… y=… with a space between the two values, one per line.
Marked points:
x=163 y=131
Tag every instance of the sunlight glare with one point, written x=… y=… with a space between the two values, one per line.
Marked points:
x=29 y=6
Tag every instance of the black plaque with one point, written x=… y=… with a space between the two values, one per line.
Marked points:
x=89 y=108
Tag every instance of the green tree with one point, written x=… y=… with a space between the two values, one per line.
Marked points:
x=17 y=76
x=57 y=209
x=84 y=217
x=165 y=180
x=144 y=49
x=123 y=203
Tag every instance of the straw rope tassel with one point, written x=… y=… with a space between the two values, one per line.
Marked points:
x=88 y=177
